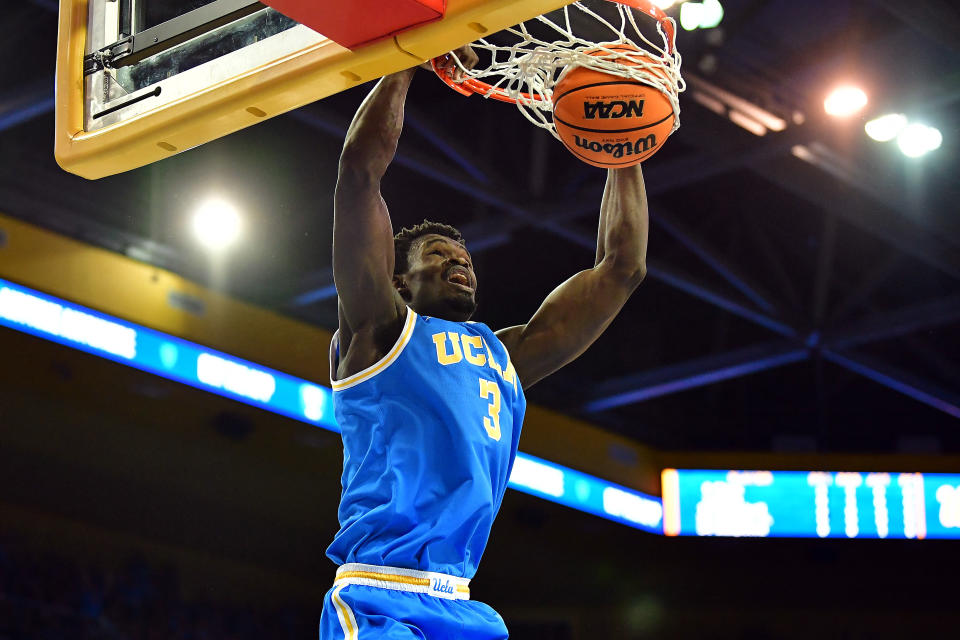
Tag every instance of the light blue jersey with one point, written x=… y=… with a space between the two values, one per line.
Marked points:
x=430 y=434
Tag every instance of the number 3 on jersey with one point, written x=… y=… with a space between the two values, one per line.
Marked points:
x=490 y=389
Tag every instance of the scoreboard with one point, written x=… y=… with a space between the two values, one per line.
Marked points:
x=811 y=504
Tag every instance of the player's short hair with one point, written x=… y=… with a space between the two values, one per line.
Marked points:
x=407 y=236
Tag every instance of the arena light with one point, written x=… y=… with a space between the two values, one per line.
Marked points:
x=886 y=127
x=701 y=15
x=845 y=101
x=216 y=224
x=918 y=139
x=711 y=14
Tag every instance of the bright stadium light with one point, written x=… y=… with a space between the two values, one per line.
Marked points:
x=690 y=15
x=711 y=15
x=216 y=224
x=845 y=101
x=701 y=15
x=886 y=127
x=918 y=139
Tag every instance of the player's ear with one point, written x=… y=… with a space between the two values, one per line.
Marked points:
x=400 y=284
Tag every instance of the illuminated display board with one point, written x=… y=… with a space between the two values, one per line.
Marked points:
x=811 y=504
x=87 y=330
x=81 y=328
x=586 y=493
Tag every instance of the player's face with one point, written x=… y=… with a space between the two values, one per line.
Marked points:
x=441 y=281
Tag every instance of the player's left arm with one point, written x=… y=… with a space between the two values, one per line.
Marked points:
x=575 y=314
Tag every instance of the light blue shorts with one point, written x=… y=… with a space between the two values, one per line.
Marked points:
x=370 y=602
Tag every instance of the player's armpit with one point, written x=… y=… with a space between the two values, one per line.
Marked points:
x=571 y=318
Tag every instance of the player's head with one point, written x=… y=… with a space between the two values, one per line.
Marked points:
x=433 y=271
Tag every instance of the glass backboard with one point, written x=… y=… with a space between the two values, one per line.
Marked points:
x=140 y=80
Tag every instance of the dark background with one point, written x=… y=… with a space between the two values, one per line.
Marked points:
x=851 y=258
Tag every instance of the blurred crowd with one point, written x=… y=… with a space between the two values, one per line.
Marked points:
x=49 y=596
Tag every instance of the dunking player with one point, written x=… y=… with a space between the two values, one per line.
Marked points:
x=430 y=404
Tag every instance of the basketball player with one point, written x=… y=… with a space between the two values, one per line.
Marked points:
x=430 y=403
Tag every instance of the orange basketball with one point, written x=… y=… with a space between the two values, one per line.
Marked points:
x=608 y=120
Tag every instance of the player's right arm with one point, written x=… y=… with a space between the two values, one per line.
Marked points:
x=363 y=256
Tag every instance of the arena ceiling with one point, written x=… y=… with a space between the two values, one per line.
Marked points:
x=804 y=285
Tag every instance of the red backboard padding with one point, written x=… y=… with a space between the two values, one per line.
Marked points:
x=354 y=23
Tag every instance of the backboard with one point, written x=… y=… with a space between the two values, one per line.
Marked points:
x=140 y=80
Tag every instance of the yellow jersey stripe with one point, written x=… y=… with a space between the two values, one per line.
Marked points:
x=385 y=577
x=347 y=622
x=386 y=361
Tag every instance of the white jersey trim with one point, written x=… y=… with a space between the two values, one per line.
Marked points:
x=382 y=363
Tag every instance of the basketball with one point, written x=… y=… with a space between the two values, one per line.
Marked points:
x=608 y=120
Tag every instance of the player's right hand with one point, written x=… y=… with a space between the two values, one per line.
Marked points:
x=465 y=54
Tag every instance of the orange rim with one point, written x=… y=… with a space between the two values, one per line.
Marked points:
x=470 y=86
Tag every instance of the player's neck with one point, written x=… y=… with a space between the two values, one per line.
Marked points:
x=443 y=312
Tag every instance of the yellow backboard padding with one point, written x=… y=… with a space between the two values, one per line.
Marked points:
x=277 y=86
x=470 y=20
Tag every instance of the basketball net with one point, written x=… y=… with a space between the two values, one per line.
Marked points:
x=524 y=71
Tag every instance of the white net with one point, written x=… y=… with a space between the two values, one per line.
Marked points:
x=525 y=62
